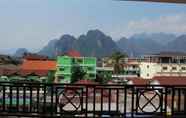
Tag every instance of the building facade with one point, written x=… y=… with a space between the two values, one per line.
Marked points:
x=163 y=64
x=65 y=65
x=130 y=67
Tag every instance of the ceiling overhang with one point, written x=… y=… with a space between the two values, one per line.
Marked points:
x=163 y=1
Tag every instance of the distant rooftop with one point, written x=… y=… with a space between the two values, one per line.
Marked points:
x=73 y=53
x=167 y=54
x=38 y=65
x=22 y=73
x=32 y=56
x=86 y=82
x=171 y=80
x=162 y=80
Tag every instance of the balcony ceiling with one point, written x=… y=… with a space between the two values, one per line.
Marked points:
x=163 y=1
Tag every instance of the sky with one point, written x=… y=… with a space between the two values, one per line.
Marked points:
x=32 y=24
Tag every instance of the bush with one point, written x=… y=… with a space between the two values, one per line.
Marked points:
x=103 y=78
x=77 y=74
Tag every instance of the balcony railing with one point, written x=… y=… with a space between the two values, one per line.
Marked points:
x=65 y=100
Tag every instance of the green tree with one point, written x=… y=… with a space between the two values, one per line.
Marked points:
x=116 y=60
x=103 y=77
x=77 y=73
x=51 y=77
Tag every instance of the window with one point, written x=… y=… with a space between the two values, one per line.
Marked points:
x=61 y=77
x=183 y=68
x=147 y=66
x=91 y=75
x=61 y=69
x=90 y=68
x=164 y=68
x=174 y=68
x=147 y=74
x=79 y=60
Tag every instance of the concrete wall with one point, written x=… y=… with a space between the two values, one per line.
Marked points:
x=148 y=70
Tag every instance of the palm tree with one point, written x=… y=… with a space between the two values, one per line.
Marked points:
x=116 y=59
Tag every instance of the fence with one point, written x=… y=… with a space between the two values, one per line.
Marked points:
x=66 y=100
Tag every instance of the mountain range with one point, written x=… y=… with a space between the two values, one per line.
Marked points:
x=141 y=44
x=96 y=43
x=93 y=43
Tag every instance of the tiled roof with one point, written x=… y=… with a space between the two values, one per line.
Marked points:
x=23 y=73
x=73 y=53
x=33 y=72
x=86 y=82
x=38 y=65
x=30 y=56
x=162 y=80
x=171 y=80
x=10 y=72
x=139 y=81
x=1 y=72
x=9 y=66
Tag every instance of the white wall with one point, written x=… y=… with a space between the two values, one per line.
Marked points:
x=170 y=71
x=148 y=70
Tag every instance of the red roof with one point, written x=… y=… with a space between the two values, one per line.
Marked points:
x=86 y=82
x=33 y=72
x=139 y=81
x=30 y=56
x=73 y=53
x=171 y=80
x=1 y=71
x=10 y=72
x=162 y=80
x=38 y=65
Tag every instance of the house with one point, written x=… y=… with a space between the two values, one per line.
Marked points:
x=66 y=65
x=163 y=64
x=38 y=68
x=38 y=65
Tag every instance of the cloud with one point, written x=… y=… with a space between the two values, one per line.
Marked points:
x=169 y=24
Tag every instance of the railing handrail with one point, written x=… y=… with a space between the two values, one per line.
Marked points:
x=70 y=84
x=121 y=100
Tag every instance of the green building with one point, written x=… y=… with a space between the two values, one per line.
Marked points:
x=65 y=66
